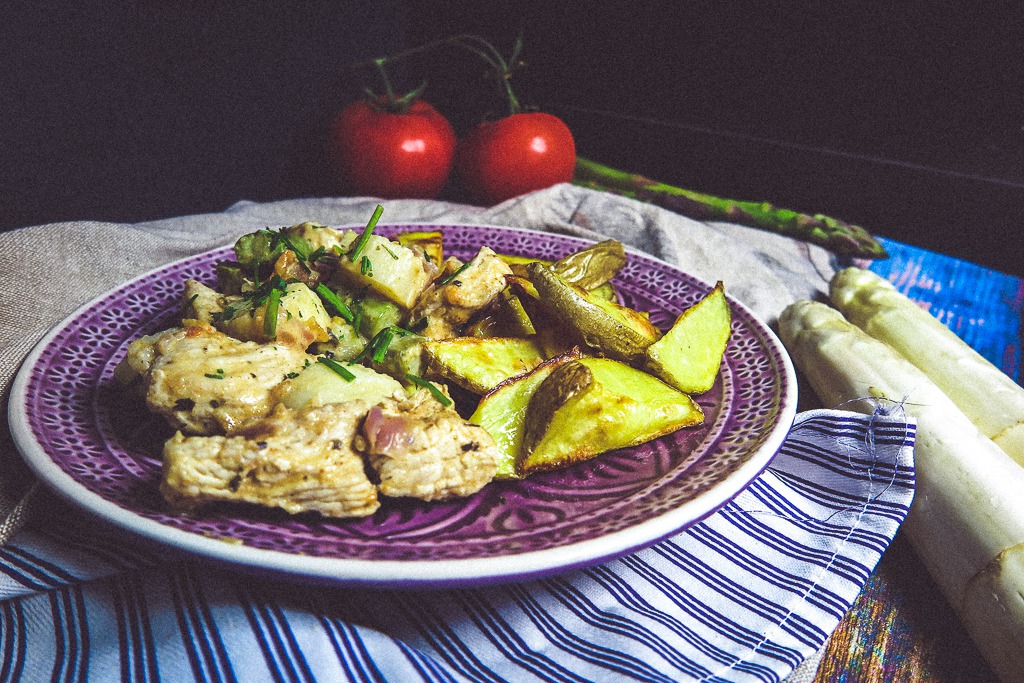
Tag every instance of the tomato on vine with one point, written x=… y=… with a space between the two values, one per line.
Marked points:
x=392 y=152
x=388 y=146
x=520 y=153
x=523 y=152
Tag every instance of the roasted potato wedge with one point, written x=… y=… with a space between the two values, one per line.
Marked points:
x=505 y=317
x=589 y=268
x=430 y=242
x=592 y=267
x=502 y=411
x=478 y=364
x=593 y=405
x=613 y=330
x=689 y=356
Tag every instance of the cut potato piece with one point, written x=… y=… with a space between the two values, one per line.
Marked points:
x=592 y=405
x=613 y=330
x=690 y=354
x=393 y=271
x=319 y=385
x=301 y=319
x=321 y=236
x=478 y=364
x=502 y=411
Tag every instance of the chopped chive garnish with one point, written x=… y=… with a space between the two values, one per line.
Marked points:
x=358 y=319
x=382 y=345
x=380 y=340
x=366 y=267
x=429 y=386
x=219 y=374
x=270 y=317
x=335 y=302
x=357 y=250
x=337 y=367
x=457 y=272
x=393 y=254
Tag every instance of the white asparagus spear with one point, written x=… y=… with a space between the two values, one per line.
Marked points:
x=990 y=398
x=967 y=520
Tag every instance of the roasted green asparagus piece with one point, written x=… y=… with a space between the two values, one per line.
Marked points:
x=833 y=234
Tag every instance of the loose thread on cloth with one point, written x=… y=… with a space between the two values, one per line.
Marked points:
x=883 y=407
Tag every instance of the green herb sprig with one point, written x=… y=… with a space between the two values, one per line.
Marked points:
x=335 y=302
x=360 y=245
x=458 y=271
x=429 y=386
x=270 y=316
x=377 y=347
x=337 y=367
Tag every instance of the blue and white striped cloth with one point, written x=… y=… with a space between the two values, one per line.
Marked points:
x=745 y=595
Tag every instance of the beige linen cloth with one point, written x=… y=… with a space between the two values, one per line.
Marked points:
x=50 y=270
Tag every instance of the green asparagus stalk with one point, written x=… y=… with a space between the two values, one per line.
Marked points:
x=833 y=234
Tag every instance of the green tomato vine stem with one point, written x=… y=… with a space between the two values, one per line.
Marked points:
x=501 y=67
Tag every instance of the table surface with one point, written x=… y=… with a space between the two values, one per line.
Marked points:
x=901 y=628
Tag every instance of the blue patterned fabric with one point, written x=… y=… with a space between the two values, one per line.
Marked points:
x=744 y=595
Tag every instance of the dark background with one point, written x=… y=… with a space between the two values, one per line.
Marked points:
x=903 y=117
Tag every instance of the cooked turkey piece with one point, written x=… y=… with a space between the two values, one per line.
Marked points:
x=299 y=461
x=449 y=306
x=204 y=382
x=421 y=449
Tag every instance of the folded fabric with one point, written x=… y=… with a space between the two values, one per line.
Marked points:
x=744 y=595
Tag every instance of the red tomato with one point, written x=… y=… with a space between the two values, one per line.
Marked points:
x=501 y=159
x=382 y=154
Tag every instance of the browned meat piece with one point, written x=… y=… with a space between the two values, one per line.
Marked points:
x=202 y=303
x=296 y=460
x=421 y=449
x=449 y=306
x=205 y=382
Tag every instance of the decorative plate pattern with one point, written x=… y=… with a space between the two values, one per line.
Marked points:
x=94 y=444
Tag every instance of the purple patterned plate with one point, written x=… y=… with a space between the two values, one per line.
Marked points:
x=99 y=448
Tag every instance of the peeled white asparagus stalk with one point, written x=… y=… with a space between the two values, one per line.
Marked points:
x=966 y=523
x=990 y=398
